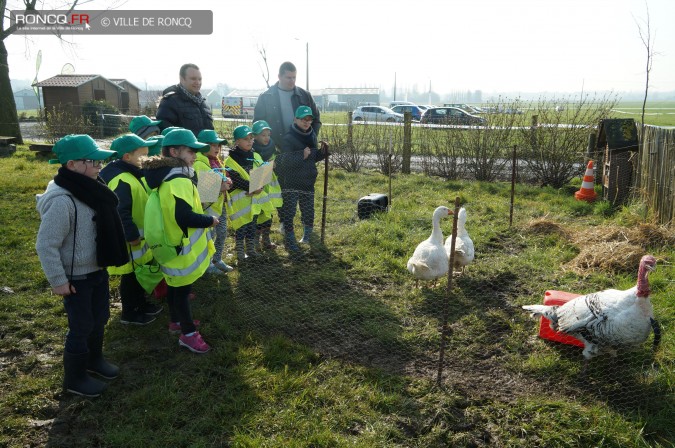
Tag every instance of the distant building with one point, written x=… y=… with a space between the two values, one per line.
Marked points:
x=25 y=99
x=71 y=92
x=344 y=99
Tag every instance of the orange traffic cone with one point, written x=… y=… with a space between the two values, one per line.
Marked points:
x=587 y=193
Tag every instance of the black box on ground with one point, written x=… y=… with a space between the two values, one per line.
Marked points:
x=374 y=202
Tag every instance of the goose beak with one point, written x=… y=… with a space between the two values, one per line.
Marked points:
x=450 y=212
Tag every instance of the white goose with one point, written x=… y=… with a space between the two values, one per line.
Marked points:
x=464 y=251
x=429 y=261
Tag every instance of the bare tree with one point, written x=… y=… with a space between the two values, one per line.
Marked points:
x=648 y=42
x=266 y=70
x=9 y=119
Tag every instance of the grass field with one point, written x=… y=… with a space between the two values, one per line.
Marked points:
x=340 y=349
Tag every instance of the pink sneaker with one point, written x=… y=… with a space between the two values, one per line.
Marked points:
x=174 y=327
x=194 y=343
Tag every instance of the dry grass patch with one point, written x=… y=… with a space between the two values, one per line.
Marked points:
x=605 y=248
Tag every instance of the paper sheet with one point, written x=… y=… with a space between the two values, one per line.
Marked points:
x=208 y=185
x=260 y=176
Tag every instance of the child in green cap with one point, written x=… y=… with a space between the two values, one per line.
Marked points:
x=245 y=209
x=80 y=235
x=184 y=226
x=125 y=177
x=264 y=145
x=297 y=175
x=207 y=161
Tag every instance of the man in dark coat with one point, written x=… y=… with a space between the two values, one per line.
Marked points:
x=277 y=105
x=182 y=105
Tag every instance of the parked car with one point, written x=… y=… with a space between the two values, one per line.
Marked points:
x=415 y=111
x=450 y=115
x=376 y=113
x=400 y=103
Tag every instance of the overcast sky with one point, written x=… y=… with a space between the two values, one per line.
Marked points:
x=488 y=45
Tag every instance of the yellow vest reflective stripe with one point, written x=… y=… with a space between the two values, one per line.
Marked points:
x=140 y=253
x=242 y=208
x=273 y=190
x=190 y=270
x=196 y=252
x=202 y=164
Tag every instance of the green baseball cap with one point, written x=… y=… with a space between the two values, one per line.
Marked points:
x=78 y=147
x=210 y=136
x=260 y=126
x=142 y=124
x=128 y=143
x=169 y=129
x=303 y=111
x=242 y=131
x=155 y=149
x=184 y=137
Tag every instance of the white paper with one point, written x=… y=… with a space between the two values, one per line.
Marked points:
x=260 y=176
x=208 y=186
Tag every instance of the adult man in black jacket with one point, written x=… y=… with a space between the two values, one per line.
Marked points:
x=182 y=105
x=277 y=105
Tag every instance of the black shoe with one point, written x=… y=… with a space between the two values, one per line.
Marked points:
x=150 y=309
x=137 y=319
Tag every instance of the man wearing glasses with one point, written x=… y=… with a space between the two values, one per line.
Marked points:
x=297 y=175
x=277 y=104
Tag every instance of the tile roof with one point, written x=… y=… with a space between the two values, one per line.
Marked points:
x=69 y=81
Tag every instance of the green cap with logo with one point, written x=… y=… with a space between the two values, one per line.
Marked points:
x=260 y=126
x=78 y=147
x=210 y=136
x=241 y=132
x=155 y=149
x=184 y=137
x=128 y=143
x=303 y=111
x=169 y=129
x=143 y=125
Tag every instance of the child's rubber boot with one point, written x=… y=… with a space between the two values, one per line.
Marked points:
x=76 y=380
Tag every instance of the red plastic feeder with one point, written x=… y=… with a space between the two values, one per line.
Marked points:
x=545 y=331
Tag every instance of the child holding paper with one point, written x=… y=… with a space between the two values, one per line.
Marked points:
x=245 y=208
x=206 y=162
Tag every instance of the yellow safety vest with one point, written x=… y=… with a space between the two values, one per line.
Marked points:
x=140 y=253
x=273 y=189
x=242 y=208
x=197 y=250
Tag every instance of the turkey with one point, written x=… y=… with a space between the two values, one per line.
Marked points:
x=464 y=252
x=609 y=319
x=429 y=261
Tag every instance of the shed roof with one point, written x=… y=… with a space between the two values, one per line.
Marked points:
x=71 y=81
x=119 y=81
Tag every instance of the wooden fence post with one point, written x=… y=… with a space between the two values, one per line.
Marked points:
x=407 y=142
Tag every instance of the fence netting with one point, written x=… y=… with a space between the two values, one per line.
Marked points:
x=349 y=296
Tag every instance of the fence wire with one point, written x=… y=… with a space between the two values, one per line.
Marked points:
x=350 y=296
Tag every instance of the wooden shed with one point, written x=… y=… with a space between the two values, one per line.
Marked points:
x=130 y=102
x=618 y=139
x=71 y=92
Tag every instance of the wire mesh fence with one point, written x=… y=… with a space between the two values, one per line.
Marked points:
x=351 y=297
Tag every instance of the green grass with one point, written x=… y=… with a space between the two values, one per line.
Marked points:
x=340 y=349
